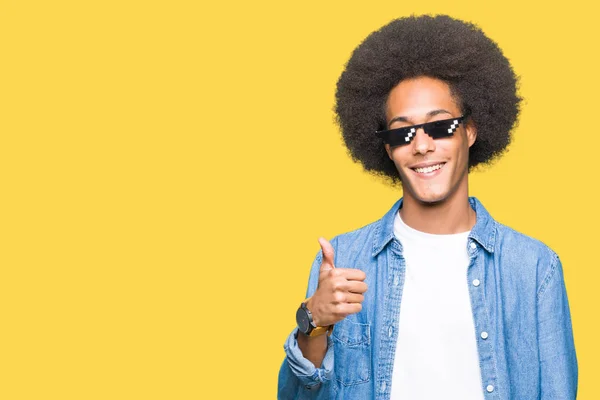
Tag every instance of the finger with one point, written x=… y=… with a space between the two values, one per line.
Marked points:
x=328 y=254
x=356 y=287
x=352 y=274
x=354 y=297
x=348 y=308
x=342 y=285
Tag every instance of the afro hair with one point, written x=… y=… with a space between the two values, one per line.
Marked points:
x=456 y=52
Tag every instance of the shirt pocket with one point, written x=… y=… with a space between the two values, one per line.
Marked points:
x=352 y=352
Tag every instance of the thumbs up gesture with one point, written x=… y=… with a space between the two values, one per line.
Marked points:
x=339 y=292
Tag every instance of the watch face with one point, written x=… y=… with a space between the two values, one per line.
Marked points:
x=302 y=320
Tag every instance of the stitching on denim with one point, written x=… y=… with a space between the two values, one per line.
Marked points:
x=366 y=346
x=376 y=248
x=493 y=236
x=488 y=342
x=549 y=275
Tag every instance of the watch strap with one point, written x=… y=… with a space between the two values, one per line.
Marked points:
x=316 y=330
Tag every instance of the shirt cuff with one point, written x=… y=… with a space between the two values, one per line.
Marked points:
x=310 y=376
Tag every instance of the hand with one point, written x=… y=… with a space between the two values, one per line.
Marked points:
x=339 y=292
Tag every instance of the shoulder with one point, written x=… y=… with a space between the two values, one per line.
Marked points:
x=357 y=244
x=525 y=255
x=511 y=240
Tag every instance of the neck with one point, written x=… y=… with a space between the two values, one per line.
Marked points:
x=449 y=216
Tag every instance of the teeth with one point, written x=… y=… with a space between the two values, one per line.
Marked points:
x=429 y=169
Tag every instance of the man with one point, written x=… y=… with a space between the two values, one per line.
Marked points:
x=436 y=300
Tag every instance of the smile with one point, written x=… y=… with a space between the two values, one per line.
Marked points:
x=428 y=170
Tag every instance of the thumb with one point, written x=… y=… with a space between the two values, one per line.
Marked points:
x=328 y=254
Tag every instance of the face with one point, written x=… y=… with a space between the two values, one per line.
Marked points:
x=432 y=170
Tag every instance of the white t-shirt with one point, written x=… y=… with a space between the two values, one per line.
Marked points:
x=436 y=354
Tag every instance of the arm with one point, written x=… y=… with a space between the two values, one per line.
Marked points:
x=558 y=362
x=298 y=376
x=313 y=348
x=334 y=294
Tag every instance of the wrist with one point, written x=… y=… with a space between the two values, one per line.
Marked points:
x=310 y=305
x=307 y=325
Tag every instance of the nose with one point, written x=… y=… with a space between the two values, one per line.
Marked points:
x=422 y=143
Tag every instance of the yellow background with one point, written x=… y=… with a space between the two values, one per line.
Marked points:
x=166 y=168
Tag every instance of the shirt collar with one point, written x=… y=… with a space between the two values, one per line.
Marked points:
x=484 y=231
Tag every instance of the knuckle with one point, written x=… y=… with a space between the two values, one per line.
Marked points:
x=336 y=286
x=332 y=273
x=338 y=297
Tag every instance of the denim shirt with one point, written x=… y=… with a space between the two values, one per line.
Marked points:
x=519 y=305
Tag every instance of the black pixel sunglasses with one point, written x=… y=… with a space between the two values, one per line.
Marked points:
x=436 y=129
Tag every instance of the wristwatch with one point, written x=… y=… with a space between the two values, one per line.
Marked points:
x=304 y=319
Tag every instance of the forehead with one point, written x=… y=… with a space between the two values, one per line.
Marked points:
x=416 y=97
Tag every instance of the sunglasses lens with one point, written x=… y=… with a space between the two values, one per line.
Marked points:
x=440 y=129
x=399 y=137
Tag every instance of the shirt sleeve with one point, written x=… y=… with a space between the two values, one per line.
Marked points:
x=558 y=362
x=298 y=377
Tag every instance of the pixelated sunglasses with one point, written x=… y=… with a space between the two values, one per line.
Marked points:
x=436 y=129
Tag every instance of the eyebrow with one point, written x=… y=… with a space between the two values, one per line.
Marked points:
x=430 y=114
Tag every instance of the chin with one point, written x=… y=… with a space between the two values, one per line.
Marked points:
x=430 y=198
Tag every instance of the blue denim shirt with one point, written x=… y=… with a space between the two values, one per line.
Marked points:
x=518 y=297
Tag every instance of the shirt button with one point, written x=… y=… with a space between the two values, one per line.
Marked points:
x=383 y=386
x=396 y=280
x=490 y=388
x=484 y=335
x=390 y=331
x=473 y=245
x=476 y=282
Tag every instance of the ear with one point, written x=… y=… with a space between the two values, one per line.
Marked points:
x=471 y=133
x=388 y=150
